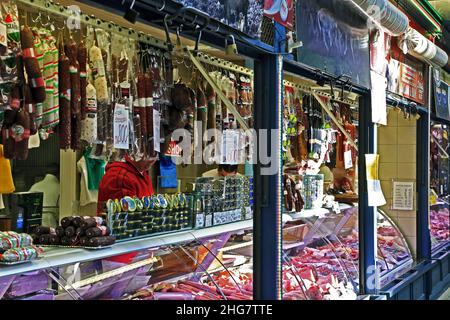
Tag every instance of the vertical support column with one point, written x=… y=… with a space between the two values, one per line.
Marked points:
x=367 y=216
x=423 y=240
x=68 y=204
x=267 y=218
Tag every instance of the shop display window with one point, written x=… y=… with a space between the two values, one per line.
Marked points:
x=321 y=255
x=440 y=184
x=141 y=215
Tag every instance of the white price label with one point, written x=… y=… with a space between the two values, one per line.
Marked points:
x=208 y=220
x=348 y=162
x=3 y=35
x=230 y=147
x=200 y=221
x=156 y=130
x=121 y=127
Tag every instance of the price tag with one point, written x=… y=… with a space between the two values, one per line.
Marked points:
x=230 y=147
x=156 y=130
x=121 y=127
x=3 y=35
x=200 y=221
x=433 y=199
x=348 y=162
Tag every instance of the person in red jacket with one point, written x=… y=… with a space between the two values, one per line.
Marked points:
x=129 y=178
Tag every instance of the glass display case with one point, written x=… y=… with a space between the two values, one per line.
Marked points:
x=440 y=184
x=207 y=264
x=321 y=254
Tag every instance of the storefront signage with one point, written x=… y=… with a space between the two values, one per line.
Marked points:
x=335 y=39
x=281 y=11
x=174 y=150
x=406 y=78
x=244 y=15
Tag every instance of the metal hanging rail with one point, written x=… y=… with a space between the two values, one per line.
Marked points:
x=218 y=91
x=336 y=122
x=308 y=90
x=57 y=9
x=224 y=64
x=316 y=94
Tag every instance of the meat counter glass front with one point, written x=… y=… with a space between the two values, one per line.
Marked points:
x=440 y=185
x=209 y=264
x=320 y=254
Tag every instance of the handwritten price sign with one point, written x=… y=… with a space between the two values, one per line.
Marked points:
x=121 y=127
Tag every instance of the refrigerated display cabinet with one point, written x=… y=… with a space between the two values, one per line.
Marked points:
x=439 y=224
x=213 y=263
x=321 y=253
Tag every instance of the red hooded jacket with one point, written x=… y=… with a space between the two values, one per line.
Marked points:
x=122 y=179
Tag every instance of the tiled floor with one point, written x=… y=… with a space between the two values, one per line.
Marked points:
x=446 y=295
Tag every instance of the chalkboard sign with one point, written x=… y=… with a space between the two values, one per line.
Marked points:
x=335 y=39
x=441 y=98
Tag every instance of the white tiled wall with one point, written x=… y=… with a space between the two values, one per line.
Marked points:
x=397 y=150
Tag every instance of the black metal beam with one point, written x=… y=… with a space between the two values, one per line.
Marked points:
x=266 y=224
x=214 y=35
x=367 y=215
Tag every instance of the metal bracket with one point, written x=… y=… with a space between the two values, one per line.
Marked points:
x=336 y=122
x=218 y=91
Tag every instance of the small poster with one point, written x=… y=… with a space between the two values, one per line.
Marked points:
x=403 y=194
x=121 y=127
x=441 y=97
x=407 y=79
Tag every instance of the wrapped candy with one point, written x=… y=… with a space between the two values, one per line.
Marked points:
x=12 y=240
x=21 y=254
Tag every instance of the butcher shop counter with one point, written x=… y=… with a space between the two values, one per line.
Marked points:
x=321 y=247
x=55 y=257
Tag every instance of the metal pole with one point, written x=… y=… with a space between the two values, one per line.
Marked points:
x=267 y=219
x=367 y=216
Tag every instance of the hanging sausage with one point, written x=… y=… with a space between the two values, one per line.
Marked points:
x=82 y=63
x=64 y=102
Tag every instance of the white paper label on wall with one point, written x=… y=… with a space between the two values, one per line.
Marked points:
x=3 y=35
x=378 y=92
x=121 y=127
x=348 y=162
x=156 y=130
x=403 y=196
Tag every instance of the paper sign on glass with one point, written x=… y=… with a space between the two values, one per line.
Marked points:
x=376 y=197
x=375 y=193
x=121 y=127
x=372 y=161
